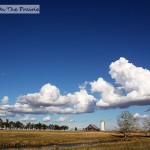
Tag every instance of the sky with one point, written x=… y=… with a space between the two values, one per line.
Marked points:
x=77 y=62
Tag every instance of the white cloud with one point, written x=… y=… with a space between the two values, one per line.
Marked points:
x=132 y=86
x=62 y=119
x=83 y=86
x=5 y=100
x=138 y=116
x=50 y=101
x=49 y=95
x=106 y=90
x=82 y=101
x=28 y=118
x=47 y=119
x=5 y=113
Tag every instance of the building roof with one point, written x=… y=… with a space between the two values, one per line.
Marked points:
x=94 y=126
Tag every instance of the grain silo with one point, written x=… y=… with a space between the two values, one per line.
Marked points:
x=102 y=126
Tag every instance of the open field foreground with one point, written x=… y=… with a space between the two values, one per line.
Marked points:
x=104 y=140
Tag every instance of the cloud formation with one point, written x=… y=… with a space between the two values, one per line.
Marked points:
x=5 y=100
x=6 y=113
x=138 y=116
x=50 y=101
x=131 y=86
x=47 y=119
x=49 y=95
x=62 y=119
x=28 y=119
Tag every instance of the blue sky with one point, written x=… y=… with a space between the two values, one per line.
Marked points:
x=70 y=42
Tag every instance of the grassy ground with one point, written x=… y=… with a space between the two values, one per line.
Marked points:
x=110 y=140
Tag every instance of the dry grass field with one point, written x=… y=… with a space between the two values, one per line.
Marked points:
x=105 y=140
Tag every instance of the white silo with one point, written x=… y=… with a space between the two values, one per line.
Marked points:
x=102 y=125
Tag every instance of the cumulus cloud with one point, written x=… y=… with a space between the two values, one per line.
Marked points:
x=5 y=113
x=28 y=119
x=82 y=101
x=19 y=108
x=47 y=119
x=131 y=86
x=138 y=116
x=50 y=97
x=50 y=101
x=62 y=119
x=5 y=100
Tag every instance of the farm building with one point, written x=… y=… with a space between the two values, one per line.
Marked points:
x=92 y=127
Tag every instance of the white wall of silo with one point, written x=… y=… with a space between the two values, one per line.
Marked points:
x=102 y=125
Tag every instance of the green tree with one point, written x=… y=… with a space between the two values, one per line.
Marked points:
x=126 y=123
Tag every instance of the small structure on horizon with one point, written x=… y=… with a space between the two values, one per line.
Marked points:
x=92 y=127
x=102 y=125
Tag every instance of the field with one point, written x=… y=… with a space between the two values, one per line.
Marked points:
x=88 y=140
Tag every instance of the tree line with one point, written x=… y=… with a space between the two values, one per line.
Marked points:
x=30 y=126
x=126 y=124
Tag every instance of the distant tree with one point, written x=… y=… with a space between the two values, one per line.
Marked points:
x=27 y=126
x=75 y=129
x=11 y=124
x=18 y=125
x=44 y=126
x=39 y=126
x=126 y=123
x=56 y=127
x=51 y=127
x=146 y=125
x=64 y=127
x=32 y=126
x=1 y=123
x=7 y=123
x=36 y=126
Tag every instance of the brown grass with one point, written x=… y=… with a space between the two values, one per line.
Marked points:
x=109 y=140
